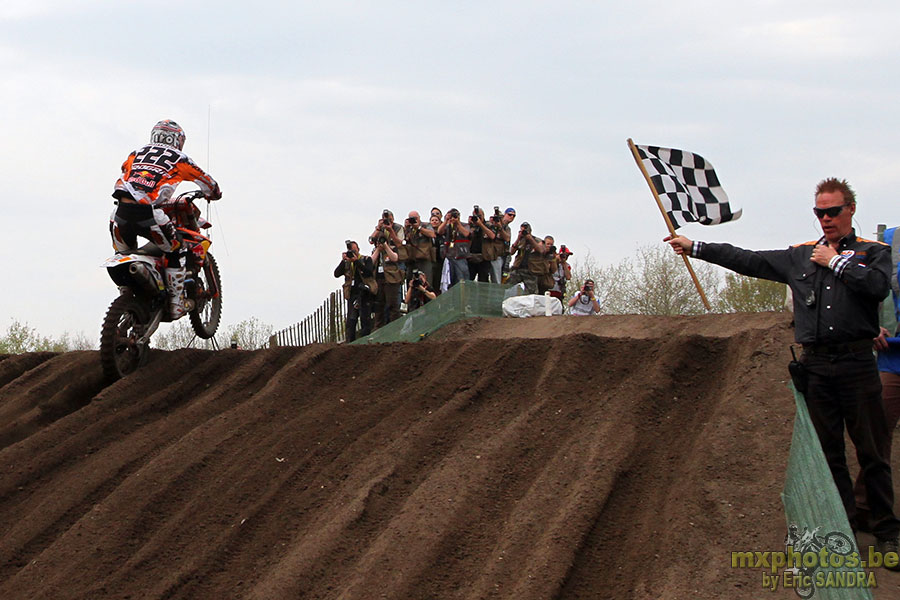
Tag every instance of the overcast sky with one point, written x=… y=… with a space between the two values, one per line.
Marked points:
x=315 y=116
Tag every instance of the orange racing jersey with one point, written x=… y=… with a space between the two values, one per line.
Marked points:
x=151 y=174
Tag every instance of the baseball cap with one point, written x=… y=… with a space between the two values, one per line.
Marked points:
x=509 y=210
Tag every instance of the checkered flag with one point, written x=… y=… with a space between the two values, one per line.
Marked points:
x=687 y=186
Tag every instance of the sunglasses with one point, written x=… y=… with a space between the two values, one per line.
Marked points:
x=832 y=211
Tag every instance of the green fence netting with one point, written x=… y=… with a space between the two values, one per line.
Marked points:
x=463 y=300
x=811 y=501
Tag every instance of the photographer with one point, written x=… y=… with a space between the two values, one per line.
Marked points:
x=529 y=264
x=494 y=245
x=418 y=292
x=420 y=254
x=546 y=281
x=584 y=302
x=387 y=229
x=481 y=236
x=359 y=288
x=509 y=215
x=562 y=273
x=390 y=279
x=438 y=249
x=456 y=245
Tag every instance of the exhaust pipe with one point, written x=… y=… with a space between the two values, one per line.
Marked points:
x=141 y=275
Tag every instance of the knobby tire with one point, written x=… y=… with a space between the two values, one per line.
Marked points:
x=206 y=315
x=125 y=321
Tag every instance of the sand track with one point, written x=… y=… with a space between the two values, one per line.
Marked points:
x=542 y=458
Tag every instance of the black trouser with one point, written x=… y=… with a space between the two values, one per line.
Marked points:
x=844 y=390
x=132 y=220
x=387 y=303
x=480 y=270
x=359 y=308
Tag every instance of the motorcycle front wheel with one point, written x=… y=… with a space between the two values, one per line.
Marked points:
x=125 y=322
x=208 y=297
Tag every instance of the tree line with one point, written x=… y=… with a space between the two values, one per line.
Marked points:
x=249 y=334
x=654 y=281
x=651 y=282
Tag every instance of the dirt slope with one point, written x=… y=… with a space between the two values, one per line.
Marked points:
x=616 y=457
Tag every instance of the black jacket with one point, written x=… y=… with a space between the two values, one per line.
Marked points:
x=357 y=275
x=830 y=306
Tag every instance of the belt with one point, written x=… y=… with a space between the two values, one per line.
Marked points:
x=835 y=349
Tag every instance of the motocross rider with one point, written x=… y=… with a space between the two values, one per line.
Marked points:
x=149 y=178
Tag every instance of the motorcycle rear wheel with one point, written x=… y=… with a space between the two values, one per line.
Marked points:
x=125 y=322
x=207 y=313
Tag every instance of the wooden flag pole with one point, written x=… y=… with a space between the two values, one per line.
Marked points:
x=687 y=262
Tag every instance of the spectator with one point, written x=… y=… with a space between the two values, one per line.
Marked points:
x=529 y=263
x=386 y=227
x=546 y=280
x=509 y=215
x=889 y=373
x=495 y=245
x=837 y=283
x=562 y=273
x=456 y=245
x=584 y=302
x=359 y=288
x=390 y=281
x=438 y=252
x=418 y=292
x=419 y=245
x=480 y=234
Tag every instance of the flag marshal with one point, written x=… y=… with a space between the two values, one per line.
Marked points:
x=686 y=185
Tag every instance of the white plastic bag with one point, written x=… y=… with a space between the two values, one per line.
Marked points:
x=532 y=306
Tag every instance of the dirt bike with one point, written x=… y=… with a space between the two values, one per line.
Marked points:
x=143 y=302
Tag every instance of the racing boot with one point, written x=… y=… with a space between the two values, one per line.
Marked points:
x=175 y=289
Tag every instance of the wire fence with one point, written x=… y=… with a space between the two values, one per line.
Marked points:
x=325 y=324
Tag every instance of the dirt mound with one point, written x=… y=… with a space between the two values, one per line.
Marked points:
x=616 y=457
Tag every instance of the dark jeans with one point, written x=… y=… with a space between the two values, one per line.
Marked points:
x=846 y=390
x=480 y=270
x=359 y=308
x=387 y=303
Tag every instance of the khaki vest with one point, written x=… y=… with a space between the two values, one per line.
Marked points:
x=491 y=249
x=419 y=247
x=348 y=280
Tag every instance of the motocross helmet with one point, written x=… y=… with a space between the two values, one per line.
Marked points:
x=169 y=133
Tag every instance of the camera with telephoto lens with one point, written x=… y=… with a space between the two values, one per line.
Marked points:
x=453 y=214
x=412 y=221
x=416 y=281
x=552 y=249
x=497 y=216
x=386 y=215
x=476 y=215
x=526 y=227
x=563 y=251
x=349 y=244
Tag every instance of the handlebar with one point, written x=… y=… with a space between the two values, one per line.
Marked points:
x=184 y=212
x=190 y=196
